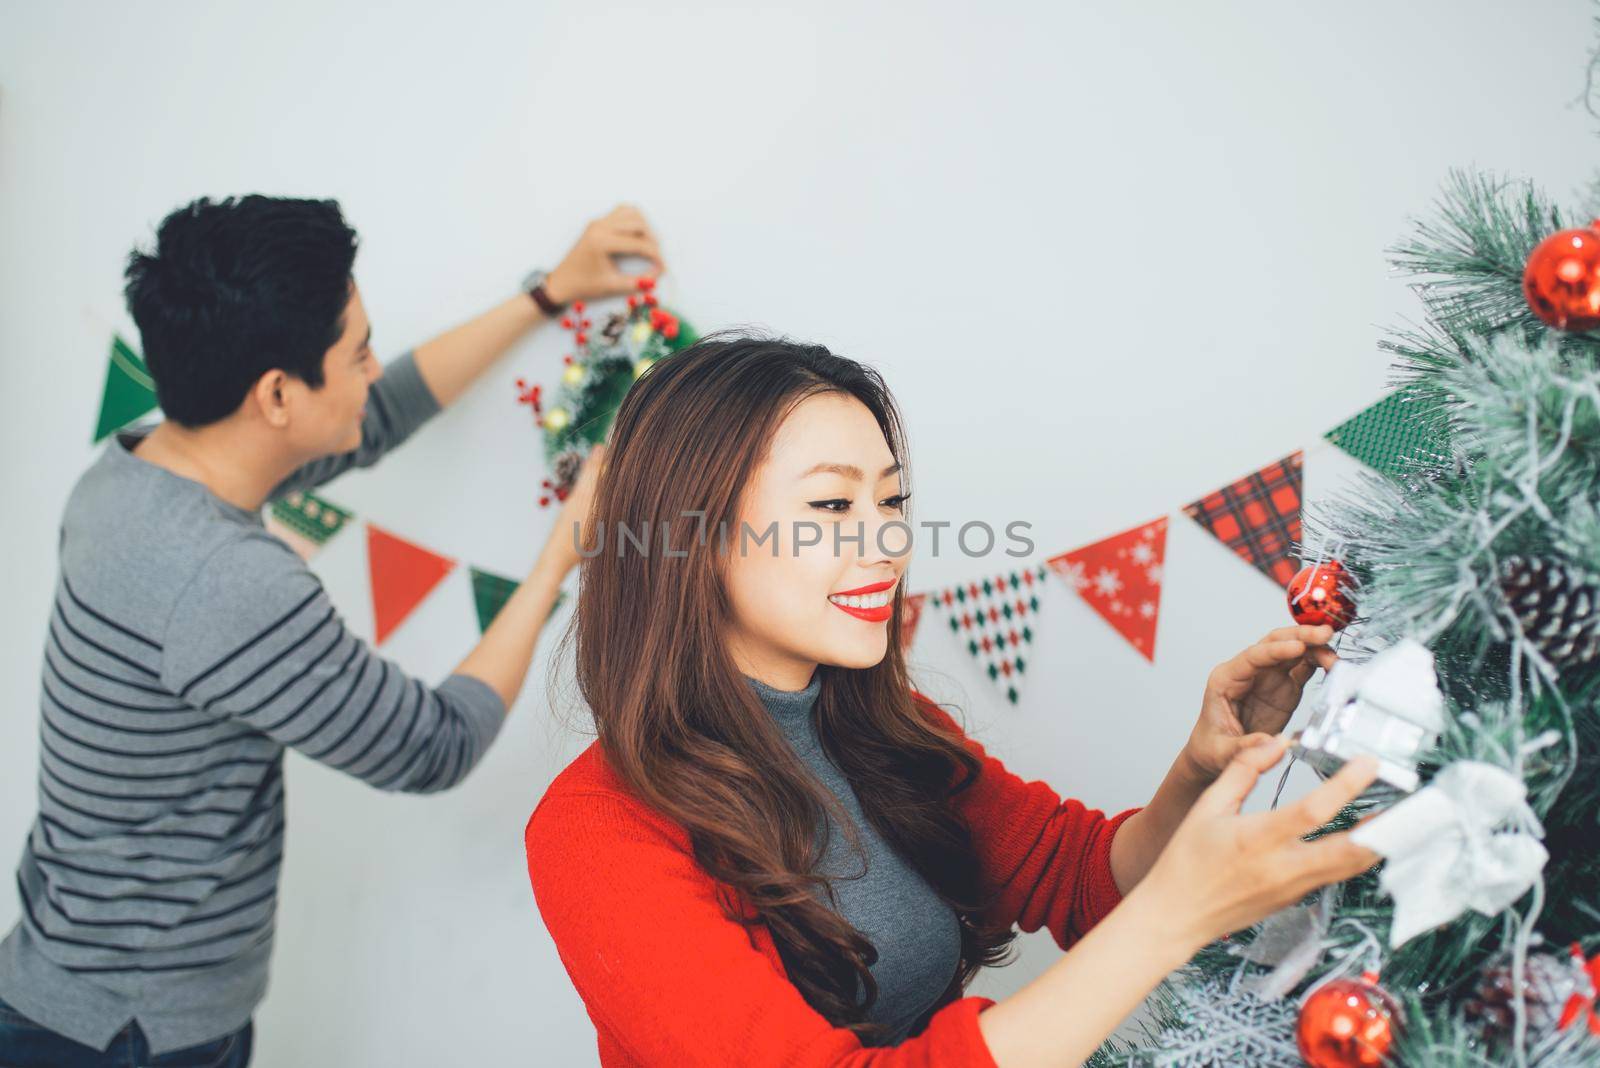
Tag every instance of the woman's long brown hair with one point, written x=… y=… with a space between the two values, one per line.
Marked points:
x=676 y=718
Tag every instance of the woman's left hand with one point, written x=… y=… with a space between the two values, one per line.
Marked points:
x=1253 y=696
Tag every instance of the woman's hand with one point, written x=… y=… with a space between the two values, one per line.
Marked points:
x=1223 y=871
x=590 y=271
x=1252 y=696
x=561 y=548
x=1219 y=872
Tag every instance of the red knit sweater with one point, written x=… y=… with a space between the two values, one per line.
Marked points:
x=668 y=979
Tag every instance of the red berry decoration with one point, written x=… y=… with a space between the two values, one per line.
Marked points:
x=1319 y=595
x=1347 y=1023
x=1562 y=279
x=578 y=307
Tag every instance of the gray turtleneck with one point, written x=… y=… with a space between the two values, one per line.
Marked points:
x=916 y=934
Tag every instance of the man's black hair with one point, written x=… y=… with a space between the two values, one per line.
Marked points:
x=237 y=288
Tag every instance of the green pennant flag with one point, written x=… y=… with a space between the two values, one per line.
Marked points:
x=310 y=516
x=490 y=593
x=1393 y=434
x=129 y=392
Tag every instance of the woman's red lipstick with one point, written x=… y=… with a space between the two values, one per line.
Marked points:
x=870 y=615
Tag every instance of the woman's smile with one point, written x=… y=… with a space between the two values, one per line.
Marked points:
x=872 y=603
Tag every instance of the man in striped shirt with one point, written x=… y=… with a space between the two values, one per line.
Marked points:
x=188 y=647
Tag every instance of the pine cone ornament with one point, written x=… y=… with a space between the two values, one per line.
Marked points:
x=1555 y=988
x=567 y=466
x=1558 y=605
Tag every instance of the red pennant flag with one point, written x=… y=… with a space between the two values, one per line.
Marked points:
x=1258 y=517
x=1120 y=577
x=402 y=574
x=910 y=617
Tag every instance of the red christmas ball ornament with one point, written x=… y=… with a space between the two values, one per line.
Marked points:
x=1319 y=595
x=1347 y=1023
x=1562 y=279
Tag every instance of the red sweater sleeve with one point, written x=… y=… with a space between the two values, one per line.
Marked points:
x=1045 y=861
x=666 y=977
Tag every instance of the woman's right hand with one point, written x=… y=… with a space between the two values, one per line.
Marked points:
x=1223 y=870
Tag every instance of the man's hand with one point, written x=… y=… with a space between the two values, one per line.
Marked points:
x=1252 y=697
x=590 y=272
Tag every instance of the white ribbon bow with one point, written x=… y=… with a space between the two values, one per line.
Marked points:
x=1466 y=840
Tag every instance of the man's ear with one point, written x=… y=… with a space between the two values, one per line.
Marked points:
x=270 y=398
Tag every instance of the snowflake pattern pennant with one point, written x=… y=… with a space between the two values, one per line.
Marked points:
x=1258 y=517
x=995 y=617
x=1120 y=578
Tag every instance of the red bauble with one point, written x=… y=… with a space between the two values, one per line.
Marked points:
x=1347 y=1023
x=1320 y=595
x=1562 y=279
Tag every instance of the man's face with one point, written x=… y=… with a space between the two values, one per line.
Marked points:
x=327 y=421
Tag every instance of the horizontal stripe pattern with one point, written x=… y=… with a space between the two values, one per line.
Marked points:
x=185 y=650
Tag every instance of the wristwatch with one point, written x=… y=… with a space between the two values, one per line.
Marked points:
x=533 y=285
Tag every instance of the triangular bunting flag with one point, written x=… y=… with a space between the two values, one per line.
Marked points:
x=1393 y=434
x=129 y=391
x=490 y=593
x=995 y=618
x=306 y=522
x=1120 y=577
x=402 y=574
x=1258 y=517
x=910 y=617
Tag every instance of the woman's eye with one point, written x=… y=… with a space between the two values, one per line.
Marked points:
x=840 y=505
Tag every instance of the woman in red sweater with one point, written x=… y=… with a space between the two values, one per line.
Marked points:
x=776 y=852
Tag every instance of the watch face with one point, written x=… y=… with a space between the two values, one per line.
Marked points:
x=534 y=278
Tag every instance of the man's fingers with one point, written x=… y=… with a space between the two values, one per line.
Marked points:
x=1324 y=802
x=618 y=243
x=1237 y=779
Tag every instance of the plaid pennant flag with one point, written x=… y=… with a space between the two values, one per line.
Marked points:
x=1120 y=578
x=995 y=617
x=1258 y=517
x=306 y=522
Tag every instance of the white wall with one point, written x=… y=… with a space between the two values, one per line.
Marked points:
x=1109 y=257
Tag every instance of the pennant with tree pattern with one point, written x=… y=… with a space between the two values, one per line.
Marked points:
x=1120 y=577
x=996 y=617
x=1258 y=517
x=305 y=522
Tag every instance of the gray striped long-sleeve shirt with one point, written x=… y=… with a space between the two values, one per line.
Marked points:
x=186 y=649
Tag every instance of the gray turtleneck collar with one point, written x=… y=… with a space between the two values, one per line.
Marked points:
x=789 y=704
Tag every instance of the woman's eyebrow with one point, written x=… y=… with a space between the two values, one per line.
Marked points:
x=850 y=471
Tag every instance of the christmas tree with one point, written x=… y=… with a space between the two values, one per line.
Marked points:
x=1473 y=668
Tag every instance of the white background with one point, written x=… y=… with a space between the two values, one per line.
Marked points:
x=1108 y=256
